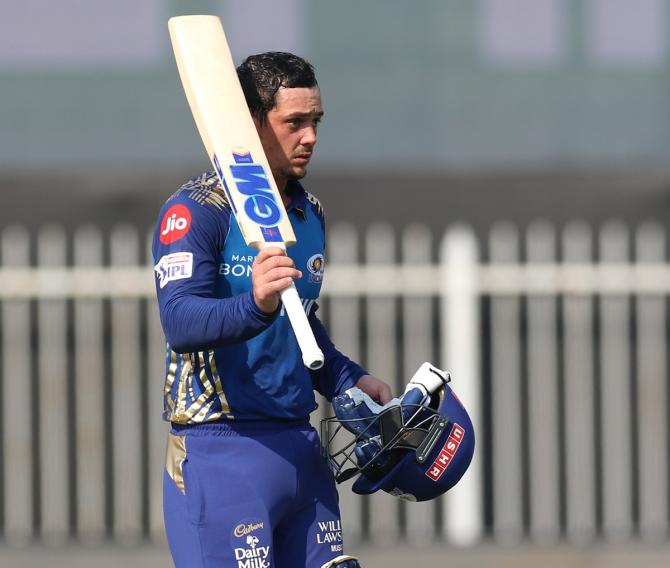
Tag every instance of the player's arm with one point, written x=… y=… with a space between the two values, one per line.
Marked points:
x=192 y=318
x=340 y=373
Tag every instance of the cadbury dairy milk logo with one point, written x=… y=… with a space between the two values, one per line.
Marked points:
x=251 y=180
x=253 y=556
x=245 y=529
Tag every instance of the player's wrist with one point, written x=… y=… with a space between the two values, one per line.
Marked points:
x=259 y=311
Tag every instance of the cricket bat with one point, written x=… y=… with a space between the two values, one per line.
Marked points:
x=228 y=132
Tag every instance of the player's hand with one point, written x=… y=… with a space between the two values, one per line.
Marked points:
x=375 y=388
x=271 y=272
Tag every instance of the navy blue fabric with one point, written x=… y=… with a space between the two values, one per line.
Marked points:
x=254 y=496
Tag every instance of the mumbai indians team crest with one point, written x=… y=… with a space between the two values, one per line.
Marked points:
x=259 y=202
x=315 y=267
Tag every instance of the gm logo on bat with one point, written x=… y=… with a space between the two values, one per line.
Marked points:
x=251 y=180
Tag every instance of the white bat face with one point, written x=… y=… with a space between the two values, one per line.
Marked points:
x=225 y=124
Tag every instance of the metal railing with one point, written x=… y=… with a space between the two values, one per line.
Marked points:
x=557 y=343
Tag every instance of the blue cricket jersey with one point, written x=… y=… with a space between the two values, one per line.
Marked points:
x=225 y=357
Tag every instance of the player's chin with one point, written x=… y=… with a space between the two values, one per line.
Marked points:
x=298 y=172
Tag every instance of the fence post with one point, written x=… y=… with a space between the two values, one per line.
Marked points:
x=651 y=374
x=17 y=400
x=543 y=394
x=460 y=355
x=90 y=395
x=53 y=394
x=126 y=397
x=579 y=397
x=506 y=395
x=615 y=391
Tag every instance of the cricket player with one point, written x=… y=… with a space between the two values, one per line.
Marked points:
x=244 y=483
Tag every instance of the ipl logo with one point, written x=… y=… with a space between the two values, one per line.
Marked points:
x=175 y=266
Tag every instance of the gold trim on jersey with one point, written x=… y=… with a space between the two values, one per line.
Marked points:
x=202 y=413
x=217 y=198
x=196 y=407
x=170 y=378
x=175 y=454
x=206 y=189
x=219 y=387
x=198 y=410
x=191 y=377
x=182 y=387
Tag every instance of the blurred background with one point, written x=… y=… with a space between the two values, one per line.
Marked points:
x=497 y=190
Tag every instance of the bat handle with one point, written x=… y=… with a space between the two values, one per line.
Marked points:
x=312 y=356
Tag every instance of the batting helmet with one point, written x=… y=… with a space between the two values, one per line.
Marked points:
x=415 y=447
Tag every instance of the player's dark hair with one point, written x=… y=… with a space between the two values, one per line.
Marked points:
x=262 y=75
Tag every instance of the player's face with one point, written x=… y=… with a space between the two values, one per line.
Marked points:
x=289 y=134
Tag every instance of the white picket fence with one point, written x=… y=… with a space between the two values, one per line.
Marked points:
x=556 y=341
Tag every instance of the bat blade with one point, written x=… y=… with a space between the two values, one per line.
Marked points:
x=227 y=130
x=224 y=122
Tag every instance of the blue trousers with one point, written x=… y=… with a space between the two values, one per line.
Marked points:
x=249 y=495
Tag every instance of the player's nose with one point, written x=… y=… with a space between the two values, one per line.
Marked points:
x=308 y=137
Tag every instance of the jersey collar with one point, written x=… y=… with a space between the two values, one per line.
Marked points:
x=298 y=197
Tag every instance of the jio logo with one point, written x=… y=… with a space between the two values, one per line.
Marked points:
x=175 y=224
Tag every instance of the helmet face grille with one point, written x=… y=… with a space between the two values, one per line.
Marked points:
x=381 y=441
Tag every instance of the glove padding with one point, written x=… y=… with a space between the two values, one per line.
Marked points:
x=429 y=379
x=357 y=412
